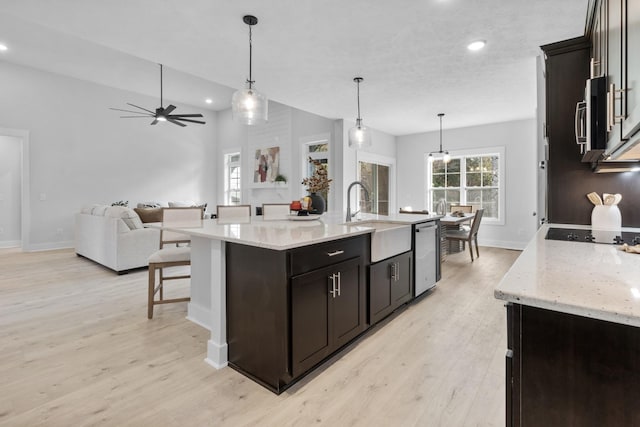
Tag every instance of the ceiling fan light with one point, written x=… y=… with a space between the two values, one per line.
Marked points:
x=476 y=45
x=249 y=107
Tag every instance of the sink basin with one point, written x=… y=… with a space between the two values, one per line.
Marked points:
x=388 y=239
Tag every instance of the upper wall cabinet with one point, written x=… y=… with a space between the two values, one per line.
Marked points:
x=615 y=46
x=631 y=106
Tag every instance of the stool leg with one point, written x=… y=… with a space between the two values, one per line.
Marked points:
x=471 y=250
x=152 y=285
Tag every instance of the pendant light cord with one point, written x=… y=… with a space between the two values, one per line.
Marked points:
x=250 y=81
x=161 y=106
x=440 y=132
x=359 y=119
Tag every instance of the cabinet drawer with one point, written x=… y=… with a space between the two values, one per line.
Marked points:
x=321 y=255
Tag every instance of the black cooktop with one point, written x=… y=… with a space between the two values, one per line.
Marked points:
x=596 y=236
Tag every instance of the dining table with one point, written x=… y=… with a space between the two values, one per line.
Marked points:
x=453 y=223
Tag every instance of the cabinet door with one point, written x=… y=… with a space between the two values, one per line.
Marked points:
x=631 y=124
x=614 y=71
x=347 y=315
x=327 y=311
x=380 y=299
x=401 y=290
x=310 y=339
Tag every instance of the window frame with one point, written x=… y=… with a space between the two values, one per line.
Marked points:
x=226 y=165
x=475 y=152
x=378 y=159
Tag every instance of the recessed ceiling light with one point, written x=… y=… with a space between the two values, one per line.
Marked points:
x=3 y=47
x=477 y=45
x=209 y=101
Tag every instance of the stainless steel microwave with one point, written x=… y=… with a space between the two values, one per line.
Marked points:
x=591 y=120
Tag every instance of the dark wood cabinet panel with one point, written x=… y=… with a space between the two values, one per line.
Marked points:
x=390 y=285
x=279 y=325
x=569 y=180
x=327 y=307
x=574 y=370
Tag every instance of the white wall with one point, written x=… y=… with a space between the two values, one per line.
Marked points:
x=381 y=144
x=519 y=140
x=287 y=128
x=10 y=191
x=81 y=152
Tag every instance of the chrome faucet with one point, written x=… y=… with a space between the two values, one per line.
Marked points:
x=366 y=197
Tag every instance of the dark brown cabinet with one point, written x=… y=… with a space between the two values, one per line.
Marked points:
x=569 y=370
x=327 y=311
x=287 y=311
x=390 y=285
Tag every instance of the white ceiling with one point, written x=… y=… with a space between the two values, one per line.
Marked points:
x=411 y=53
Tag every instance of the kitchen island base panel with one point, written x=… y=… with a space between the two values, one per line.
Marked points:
x=572 y=370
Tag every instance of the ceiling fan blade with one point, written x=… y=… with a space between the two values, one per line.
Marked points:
x=175 y=122
x=135 y=117
x=148 y=111
x=169 y=109
x=186 y=115
x=129 y=111
x=154 y=122
x=188 y=120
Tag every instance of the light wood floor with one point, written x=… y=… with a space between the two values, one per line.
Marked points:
x=76 y=349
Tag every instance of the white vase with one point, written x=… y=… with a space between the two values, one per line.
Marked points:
x=606 y=217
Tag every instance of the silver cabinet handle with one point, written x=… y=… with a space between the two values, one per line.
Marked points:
x=334 y=253
x=397 y=264
x=333 y=290
x=339 y=283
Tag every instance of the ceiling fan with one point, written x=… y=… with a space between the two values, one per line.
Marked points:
x=161 y=114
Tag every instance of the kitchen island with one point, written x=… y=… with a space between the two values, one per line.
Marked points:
x=242 y=275
x=573 y=334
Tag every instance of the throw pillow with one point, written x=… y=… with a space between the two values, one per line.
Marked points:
x=149 y=205
x=126 y=214
x=149 y=214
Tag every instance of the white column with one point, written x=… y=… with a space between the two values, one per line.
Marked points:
x=208 y=295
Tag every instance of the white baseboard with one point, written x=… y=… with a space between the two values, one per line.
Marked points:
x=199 y=315
x=503 y=244
x=37 y=247
x=10 y=244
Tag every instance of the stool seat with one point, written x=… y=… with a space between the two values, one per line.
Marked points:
x=180 y=254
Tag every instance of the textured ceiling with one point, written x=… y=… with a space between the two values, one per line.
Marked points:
x=411 y=53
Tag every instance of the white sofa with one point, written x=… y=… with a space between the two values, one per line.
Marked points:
x=114 y=237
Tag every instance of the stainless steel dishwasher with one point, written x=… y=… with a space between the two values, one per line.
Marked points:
x=427 y=253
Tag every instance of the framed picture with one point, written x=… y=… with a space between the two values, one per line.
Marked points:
x=266 y=166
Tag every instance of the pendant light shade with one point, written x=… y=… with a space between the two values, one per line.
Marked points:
x=445 y=154
x=248 y=106
x=359 y=136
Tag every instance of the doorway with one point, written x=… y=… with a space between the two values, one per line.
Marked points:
x=14 y=187
x=378 y=175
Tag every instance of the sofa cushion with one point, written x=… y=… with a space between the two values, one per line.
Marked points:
x=127 y=214
x=99 y=210
x=149 y=214
x=88 y=209
x=182 y=204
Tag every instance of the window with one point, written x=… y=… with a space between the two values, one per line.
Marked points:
x=469 y=179
x=377 y=172
x=376 y=178
x=232 y=179
x=317 y=150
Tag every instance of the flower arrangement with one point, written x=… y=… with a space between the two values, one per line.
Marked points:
x=319 y=181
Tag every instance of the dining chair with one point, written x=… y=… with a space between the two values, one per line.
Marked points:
x=462 y=208
x=174 y=252
x=273 y=211
x=240 y=213
x=470 y=235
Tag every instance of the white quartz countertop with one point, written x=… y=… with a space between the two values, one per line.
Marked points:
x=586 y=279
x=288 y=234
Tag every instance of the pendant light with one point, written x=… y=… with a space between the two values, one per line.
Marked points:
x=445 y=154
x=359 y=136
x=249 y=106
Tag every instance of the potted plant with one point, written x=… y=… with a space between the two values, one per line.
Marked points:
x=280 y=180
x=318 y=186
